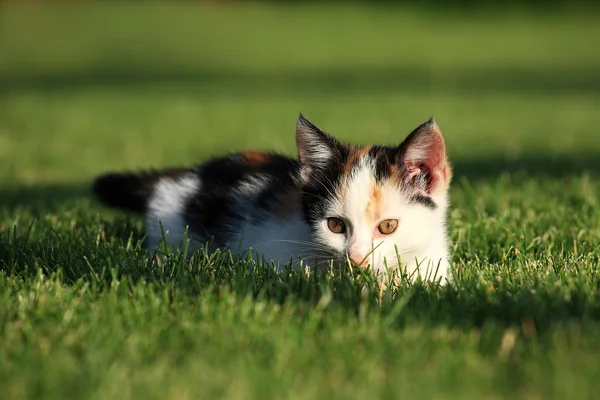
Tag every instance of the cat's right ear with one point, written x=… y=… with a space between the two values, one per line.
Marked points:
x=423 y=154
x=315 y=148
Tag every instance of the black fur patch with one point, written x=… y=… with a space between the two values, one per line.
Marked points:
x=215 y=212
x=424 y=200
x=129 y=191
x=384 y=158
x=319 y=187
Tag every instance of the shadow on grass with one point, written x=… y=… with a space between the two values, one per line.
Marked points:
x=43 y=198
x=580 y=80
x=535 y=166
x=62 y=204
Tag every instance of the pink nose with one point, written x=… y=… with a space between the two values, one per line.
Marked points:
x=359 y=261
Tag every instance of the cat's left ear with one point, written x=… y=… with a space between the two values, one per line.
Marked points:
x=316 y=149
x=424 y=159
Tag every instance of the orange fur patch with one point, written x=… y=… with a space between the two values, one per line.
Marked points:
x=174 y=175
x=355 y=156
x=447 y=172
x=374 y=204
x=255 y=158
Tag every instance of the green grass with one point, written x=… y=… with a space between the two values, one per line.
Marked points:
x=95 y=87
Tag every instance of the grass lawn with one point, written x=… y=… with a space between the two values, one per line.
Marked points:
x=86 y=88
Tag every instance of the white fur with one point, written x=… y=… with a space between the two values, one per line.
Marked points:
x=253 y=185
x=282 y=242
x=165 y=209
x=420 y=239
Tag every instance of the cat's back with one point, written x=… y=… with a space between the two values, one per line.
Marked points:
x=225 y=196
x=247 y=172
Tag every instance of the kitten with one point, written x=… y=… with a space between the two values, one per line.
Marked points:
x=371 y=206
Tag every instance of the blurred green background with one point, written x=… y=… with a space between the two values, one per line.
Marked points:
x=101 y=85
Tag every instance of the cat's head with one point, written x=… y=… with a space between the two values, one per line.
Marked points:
x=375 y=204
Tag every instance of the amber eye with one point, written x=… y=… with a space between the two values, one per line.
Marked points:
x=336 y=225
x=388 y=226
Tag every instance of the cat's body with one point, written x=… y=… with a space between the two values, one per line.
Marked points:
x=372 y=205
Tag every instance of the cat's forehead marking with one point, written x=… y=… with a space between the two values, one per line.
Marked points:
x=362 y=197
x=354 y=157
x=373 y=206
x=255 y=158
x=385 y=165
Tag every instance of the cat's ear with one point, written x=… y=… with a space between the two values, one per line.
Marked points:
x=315 y=148
x=424 y=160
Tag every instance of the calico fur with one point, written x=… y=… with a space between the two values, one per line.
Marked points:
x=279 y=206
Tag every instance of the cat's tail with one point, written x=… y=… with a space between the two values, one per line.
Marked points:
x=128 y=191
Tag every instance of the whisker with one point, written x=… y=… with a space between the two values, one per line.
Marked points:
x=329 y=192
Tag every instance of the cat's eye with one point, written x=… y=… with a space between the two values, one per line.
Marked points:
x=388 y=226
x=336 y=225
